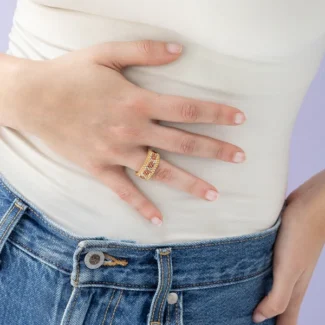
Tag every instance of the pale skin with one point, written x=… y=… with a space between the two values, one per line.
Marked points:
x=83 y=108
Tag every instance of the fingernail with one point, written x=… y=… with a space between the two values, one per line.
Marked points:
x=211 y=195
x=174 y=48
x=239 y=157
x=239 y=118
x=156 y=221
x=257 y=318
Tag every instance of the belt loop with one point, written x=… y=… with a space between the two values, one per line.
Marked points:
x=165 y=273
x=10 y=219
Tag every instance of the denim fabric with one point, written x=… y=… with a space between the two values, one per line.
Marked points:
x=51 y=276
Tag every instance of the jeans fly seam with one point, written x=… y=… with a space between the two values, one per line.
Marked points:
x=109 y=303
x=168 y=316
x=160 y=288
x=168 y=284
x=40 y=258
x=118 y=302
x=181 y=307
x=74 y=301
x=176 y=313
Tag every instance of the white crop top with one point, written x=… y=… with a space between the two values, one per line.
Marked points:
x=257 y=55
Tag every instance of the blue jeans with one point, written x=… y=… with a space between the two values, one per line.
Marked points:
x=49 y=276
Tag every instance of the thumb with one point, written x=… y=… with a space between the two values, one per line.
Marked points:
x=118 y=55
x=277 y=300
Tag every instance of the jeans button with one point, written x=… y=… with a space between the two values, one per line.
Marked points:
x=94 y=259
x=172 y=298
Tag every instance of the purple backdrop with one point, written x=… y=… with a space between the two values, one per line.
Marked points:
x=305 y=161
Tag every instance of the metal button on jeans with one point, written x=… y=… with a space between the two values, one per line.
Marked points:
x=94 y=259
x=172 y=298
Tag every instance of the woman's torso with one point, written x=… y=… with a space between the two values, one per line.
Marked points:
x=259 y=56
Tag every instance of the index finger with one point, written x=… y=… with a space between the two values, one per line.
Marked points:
x=174 y=108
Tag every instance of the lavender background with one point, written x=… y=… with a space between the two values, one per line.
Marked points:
x=307 y=157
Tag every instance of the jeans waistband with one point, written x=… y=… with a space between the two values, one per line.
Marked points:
x=128 y=264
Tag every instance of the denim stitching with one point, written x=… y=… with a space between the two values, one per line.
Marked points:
x=78 y=267
x=73 y=305
x=161 y=285
x=11 y=222
x=6 y=216
x=20 y=246
x=232 y=280
x=107 y=245
x=176 y=313
x=163 y=277
x=118 y=302
x=129 y=285
x=181 y=308
x=136 y=286
x=109 y=303
x=168 y=283
x=168 y=316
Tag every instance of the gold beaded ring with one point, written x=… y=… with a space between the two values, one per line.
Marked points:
x=149 y=166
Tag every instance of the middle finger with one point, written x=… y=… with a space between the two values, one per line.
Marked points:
x=183 y=142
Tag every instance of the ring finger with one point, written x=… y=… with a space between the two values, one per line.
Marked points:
x=174 y=176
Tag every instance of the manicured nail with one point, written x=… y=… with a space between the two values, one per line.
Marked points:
x=174 y=48
x=257 y=318
x=211 y=195
x=239 y=157
x=156 y=221
x=239 y=118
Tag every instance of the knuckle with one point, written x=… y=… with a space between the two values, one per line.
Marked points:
x=189 y=112
x=137 y=99
x=110 y=152
x=114 y=151
x=144 y=205
x=144 y=46
x=220 y=152
x=124 y=193
x=192 y=188
x=217 y=115
x=137 y=103
x=94 y=167
x=102 y=146
x=187 y=145
x=163 y=174
x=277 y=307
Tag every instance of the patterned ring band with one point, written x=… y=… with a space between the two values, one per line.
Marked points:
x=149 y=166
